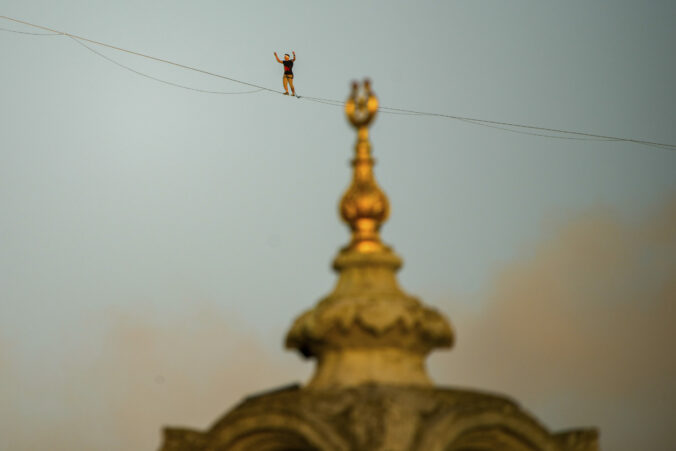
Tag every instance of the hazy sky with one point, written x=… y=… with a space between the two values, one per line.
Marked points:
x=156 y=243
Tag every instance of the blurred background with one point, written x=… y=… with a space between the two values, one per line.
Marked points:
x=156 y=243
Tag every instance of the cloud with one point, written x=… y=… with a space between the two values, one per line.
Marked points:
x=144 y=373
x=582 y=331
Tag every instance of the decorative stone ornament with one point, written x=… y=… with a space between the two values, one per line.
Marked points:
x=367 y=329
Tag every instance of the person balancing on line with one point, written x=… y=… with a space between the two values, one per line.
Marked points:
x=288 y=72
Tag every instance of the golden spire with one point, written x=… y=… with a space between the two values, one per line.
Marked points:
x=364 y=205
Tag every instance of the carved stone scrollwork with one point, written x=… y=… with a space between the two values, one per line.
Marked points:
x=375 y=417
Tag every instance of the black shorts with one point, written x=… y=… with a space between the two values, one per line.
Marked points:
x=289 y=76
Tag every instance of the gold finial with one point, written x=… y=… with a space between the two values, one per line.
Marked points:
x=364 y=205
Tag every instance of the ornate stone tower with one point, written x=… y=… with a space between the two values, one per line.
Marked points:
x=367 y=330
x=370 y=390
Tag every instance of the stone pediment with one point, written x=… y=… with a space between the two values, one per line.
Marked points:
x=376 y=417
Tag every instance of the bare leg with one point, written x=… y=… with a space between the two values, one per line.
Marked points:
x=286 y=88
x=293 y=90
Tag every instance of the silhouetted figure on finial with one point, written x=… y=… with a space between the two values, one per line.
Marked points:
x=288 y=72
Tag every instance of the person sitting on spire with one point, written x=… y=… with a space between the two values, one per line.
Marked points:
x=288 y=72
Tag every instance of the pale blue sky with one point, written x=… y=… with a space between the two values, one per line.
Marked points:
x=118 y=193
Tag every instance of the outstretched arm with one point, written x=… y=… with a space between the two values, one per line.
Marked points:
x=294 y=56
x=277 y=58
